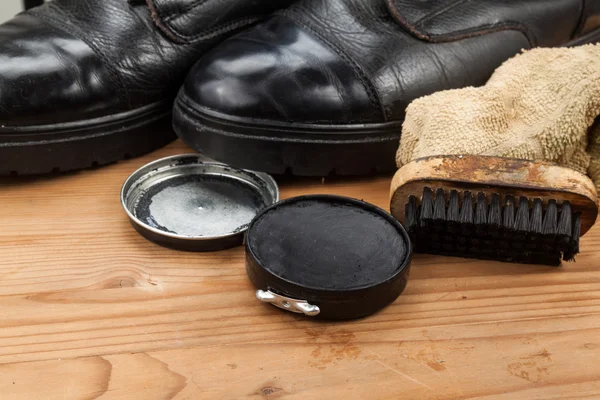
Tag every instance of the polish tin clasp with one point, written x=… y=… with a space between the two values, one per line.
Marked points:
x=287 y=303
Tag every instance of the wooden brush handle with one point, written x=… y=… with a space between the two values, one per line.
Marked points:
x=503 y=176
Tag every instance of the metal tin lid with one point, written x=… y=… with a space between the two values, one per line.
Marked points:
x=186 y=203
x=327 y=256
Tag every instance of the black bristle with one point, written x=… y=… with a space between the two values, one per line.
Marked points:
x=522 y=217
x=495 y=213
x=435 y=241
x=453 y=214
x=565 y=227
x=481 y=228
x=481 y=211
x=410 y=218
x=576 y=230
x=502 y=245
x=466 y=227
x=462 y=224
x=537 y=216
x=518 y=244
x=448 y=246
x=509 y=212
x=570 y=254
x=552 y=258
x=549 y=226
x=466 y=211
x=439 y=209
x=426 y=206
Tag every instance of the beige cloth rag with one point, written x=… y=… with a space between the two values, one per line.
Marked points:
x=539 y=105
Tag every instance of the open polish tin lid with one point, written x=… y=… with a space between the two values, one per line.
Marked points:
x=187 y=203
x=327 y=257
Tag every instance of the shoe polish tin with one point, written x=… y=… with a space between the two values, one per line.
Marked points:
x=327 y=257
x=187 y=203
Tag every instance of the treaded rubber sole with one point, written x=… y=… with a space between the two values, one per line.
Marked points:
x=301 y=150
x=71 y=146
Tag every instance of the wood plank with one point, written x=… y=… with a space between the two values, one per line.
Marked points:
x=90 y=309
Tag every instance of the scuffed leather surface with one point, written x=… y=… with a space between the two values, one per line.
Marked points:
x=545 y=23
x=186 y=21
x=72 y=60
x=339 y=61
x=422 y=69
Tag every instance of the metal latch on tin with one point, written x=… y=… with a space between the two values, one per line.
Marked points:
x=287 y=303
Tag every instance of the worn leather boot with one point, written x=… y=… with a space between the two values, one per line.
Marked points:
x=322 y=86
x=88 y=82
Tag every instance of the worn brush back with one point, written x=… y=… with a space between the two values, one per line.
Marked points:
x=495 y=175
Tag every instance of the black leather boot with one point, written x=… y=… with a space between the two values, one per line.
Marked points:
x=88 y=82
x=322 y=86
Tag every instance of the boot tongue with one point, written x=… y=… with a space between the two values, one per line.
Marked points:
x=449 y=20
x=185 y=21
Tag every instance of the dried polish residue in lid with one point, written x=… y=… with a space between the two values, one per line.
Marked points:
x=188 y=203
x=199 y=206
x=328 y=245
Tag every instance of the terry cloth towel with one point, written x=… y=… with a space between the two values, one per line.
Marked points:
x=539 y=105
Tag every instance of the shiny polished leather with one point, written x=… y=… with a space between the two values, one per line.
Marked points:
x=363 y=61
x=75 y=60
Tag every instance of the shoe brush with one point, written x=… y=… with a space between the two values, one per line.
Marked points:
x=494 y=208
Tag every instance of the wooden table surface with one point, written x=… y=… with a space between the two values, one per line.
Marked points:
x=89 y=309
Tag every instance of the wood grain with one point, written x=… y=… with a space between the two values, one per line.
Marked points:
x=92 y=310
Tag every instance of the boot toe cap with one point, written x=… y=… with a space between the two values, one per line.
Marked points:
x=278 y=71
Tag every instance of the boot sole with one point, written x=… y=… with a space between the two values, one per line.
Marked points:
x=299 y=149
x=42 y=149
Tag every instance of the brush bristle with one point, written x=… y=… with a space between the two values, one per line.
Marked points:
x=574 y=243
x=522 y=218
x=426 y=208
x=411 y=214
x=439 y=211
x=537 y=216
x=549 y=227
x=564 y=227
x=509 y=213
x=495 y=212
x=493 y=227
x=453 y=213
x=481 y=212
x=466 y=215
x=439 y=207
